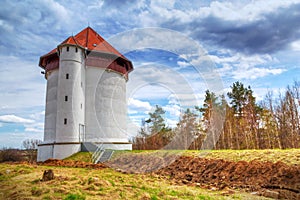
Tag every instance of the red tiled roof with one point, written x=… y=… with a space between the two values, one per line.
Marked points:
x=88 y=39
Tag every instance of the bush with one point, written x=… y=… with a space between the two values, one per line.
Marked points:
x=10 y=155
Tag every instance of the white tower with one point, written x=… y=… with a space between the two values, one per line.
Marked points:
x=86 y=96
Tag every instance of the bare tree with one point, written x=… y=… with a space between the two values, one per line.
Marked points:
x=31 y=144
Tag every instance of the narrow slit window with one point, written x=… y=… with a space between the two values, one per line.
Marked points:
x=67 y=48
x=81 y=105
x=67 y=76
x=66 y=98
x=76 y=49
x=65 y=121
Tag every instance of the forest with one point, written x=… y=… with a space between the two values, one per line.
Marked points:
x=231 y=121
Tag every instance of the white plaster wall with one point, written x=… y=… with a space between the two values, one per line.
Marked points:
x=105 y=106
x=62 y=151
x=44 y=152
x=51 y=107
x=71 y=63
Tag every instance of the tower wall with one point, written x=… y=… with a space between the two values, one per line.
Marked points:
x=51 y=107
x=86 y=96
x=105 y=106
x=70 y=95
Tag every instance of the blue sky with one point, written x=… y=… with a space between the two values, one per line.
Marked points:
x=255 y=42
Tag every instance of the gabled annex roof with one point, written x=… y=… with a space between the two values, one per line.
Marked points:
x=90 y=40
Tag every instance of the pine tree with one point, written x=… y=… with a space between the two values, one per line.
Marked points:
x=186 y=131
x=156 y=120
x=246 y=114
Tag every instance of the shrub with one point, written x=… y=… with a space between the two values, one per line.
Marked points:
x=12 y=155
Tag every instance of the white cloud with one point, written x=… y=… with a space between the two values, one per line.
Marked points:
x=295 y=45
x=172 y=123
x=140 y=105
x=173 y=107
x=21 y=83
x=154 y=82
x=15 y=119
x=156 y=38
x=254 y=73
x=15 y=139
x=240 y=66
x=173 y=110
x=246 y=12
x=34 y=127
x=183 y=64
x=39 y=116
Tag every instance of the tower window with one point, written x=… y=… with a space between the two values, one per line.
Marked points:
x=67 y=48
x=67 y=76
x=81 y=105
x=76 y=49
x=65 y=120
x=66 y=98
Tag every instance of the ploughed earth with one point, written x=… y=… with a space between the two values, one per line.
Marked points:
x=275 y=180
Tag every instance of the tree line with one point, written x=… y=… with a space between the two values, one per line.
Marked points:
x=232 y=121
x=27 y=153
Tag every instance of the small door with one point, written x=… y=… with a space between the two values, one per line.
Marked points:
x=81 y=133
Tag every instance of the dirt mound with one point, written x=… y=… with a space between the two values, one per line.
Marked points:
x=70 y=163
x=275 y=180
x=252 y=176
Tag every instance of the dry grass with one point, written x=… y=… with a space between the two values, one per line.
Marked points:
x=22 y=181
x=288 y=156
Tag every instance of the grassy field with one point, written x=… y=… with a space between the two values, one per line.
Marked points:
x=23 y=181
x=288 y=156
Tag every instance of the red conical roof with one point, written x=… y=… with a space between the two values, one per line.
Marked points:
x=89 y=40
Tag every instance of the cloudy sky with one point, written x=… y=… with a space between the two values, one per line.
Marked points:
x=179 y=49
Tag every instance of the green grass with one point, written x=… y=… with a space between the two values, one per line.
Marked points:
x=81 y=156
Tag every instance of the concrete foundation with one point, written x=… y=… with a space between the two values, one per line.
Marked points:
x=61 y=151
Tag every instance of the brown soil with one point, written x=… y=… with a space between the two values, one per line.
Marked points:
x=275 y=180
x=70 y=163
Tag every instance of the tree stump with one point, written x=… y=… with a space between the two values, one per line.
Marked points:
x=48 y=175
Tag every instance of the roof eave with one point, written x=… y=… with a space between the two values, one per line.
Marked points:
x=45 y=56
